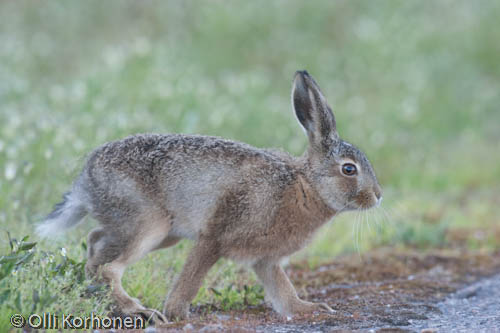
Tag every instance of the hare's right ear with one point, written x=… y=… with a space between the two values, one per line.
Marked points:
x=313 y=112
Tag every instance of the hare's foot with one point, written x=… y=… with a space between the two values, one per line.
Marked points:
x=176 y=311
x=303 y=307
x=281 y=293
x=126 y=305
x=150 y=315
x=135 y=310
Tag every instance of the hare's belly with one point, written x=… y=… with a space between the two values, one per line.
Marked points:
x=192 y=199
x=190 y=217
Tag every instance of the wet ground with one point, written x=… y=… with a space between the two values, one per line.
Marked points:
x=382 y=291
x=475 y=308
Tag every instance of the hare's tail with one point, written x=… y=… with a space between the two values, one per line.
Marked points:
x=65 y=215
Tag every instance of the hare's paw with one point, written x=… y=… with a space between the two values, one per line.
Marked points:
x=303 y=307
x=135 y=309
x=176 y=311
x=323 y=307
x=151 y=315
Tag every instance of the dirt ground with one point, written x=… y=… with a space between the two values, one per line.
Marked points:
x=383 y=291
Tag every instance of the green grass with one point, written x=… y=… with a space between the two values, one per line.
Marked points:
x=415 y=85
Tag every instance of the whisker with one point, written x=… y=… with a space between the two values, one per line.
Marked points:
x=378 y=227
x=353 y=228
x=382 y=219
x=368 y=228
x=356 y=239
x=362 y=226
x=388 y=218
x=368 y=216
x=377 y=218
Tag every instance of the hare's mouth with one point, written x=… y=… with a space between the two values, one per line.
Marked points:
x=366 y=202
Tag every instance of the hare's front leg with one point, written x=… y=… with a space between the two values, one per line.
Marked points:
x=281 y=292
x=201 y=258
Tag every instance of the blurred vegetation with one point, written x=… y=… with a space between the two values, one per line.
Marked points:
x=415 y=84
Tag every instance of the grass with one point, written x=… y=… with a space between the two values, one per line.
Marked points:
x=415 y=85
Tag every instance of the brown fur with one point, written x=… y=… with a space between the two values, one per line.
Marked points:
x=235 y=201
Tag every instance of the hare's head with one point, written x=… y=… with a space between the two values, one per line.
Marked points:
x=339 y=171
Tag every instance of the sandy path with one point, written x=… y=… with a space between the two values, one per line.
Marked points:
x=384 y=291
x=475 y=308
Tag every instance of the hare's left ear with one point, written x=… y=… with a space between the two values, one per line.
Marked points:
x=313 y=112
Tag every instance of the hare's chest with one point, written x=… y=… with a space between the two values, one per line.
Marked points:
x=293 y=231
x=286 y=234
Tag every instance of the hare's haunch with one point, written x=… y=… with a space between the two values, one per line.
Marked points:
x=233 y=200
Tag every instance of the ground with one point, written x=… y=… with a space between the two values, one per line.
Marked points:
x=381 y=291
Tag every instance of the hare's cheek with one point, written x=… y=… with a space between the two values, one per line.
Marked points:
x=348 y=186
x=341 y=192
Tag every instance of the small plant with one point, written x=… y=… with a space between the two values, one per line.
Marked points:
x=21 y=252
x=35 y=281
x=232 y=297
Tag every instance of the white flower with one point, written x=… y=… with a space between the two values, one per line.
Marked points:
x=10 y=170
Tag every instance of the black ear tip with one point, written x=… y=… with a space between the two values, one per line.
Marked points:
x=302 y=73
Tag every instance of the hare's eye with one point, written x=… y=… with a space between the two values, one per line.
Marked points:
x=349 y=169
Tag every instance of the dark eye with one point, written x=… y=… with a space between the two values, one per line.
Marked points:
x=349 y=169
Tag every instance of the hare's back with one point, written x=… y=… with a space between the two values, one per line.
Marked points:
x=153 y=151
x=185 y=175
x=153 y=159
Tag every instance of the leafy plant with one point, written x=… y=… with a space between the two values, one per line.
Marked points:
x=232 y=297
x=34 y=281
x=21 y=252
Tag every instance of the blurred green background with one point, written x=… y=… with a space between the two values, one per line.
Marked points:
x=415 y=84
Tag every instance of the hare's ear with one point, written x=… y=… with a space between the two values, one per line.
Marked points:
x=313 y=112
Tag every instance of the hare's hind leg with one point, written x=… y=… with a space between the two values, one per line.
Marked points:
x=94 y=260
x=111 y=251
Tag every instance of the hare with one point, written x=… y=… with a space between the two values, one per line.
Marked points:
x=235 y=201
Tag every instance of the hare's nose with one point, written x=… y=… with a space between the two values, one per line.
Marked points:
x=378 y=192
